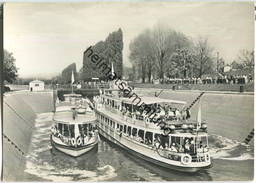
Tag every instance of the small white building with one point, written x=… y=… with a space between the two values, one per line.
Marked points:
x=36 y=85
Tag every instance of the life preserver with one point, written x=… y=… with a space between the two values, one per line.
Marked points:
x=186 y=159
x=79 y=141
x=73 y=141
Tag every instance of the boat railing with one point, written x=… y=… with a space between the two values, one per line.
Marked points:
x=172 y=155
x=142 y=121
x=195 y=157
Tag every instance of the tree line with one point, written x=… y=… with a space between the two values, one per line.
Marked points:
x=162 y=52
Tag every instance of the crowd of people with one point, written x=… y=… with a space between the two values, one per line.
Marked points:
x=231 y=79
x=158 y=113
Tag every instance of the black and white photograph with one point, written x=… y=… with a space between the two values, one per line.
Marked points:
x=127 y=91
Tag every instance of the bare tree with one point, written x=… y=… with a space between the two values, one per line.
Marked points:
x=203 y=59
x=247 y=59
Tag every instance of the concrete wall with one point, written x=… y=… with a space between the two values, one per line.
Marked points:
x=20 y=110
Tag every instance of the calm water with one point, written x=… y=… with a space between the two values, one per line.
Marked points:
x=107 y=162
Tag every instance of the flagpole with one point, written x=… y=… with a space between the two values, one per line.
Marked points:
x=72 y=81
x=199 y=121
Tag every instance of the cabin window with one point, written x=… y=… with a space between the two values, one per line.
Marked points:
x=141 y=134
x=117 y=126
x=85 y=127
x=111 y=123
x=125 y=130
x=90 y=127
x=129 y=131
x=134 y=132
x=66 y=132
x=121 y=128
x=202 y=142
x=148 y=138
x=60 y=128
x=72 y=131
x=157 y=137
x=164 y=140
x=82 y=129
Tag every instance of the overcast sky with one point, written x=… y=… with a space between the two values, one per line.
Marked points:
x=45 y=38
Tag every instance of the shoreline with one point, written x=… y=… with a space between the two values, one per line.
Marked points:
x=198 y=91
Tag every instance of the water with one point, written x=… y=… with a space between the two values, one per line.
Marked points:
x=231 y=161
x=229 y=117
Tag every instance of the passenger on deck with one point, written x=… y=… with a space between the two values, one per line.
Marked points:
x=170 y=114
x=192 y=147
x=178 y=115
x=187 y=146
x=173 y=148
x=180 y=149
x=156 y=143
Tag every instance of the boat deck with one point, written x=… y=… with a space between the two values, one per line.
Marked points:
x=68 y=117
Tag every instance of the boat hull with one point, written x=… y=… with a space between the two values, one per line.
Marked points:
x=73 y=151
x=147 y=158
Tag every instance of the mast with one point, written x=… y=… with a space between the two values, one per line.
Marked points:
x=199 y=115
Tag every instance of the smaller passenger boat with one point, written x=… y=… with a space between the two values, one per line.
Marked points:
x=74 y=130
x=73 y=133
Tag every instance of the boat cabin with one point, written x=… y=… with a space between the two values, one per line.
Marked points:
x=72 y=129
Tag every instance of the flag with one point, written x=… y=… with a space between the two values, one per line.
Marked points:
x=112 y=70
x=199 y=120
x=72 y=78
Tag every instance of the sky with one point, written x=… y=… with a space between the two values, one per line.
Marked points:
x=46 y=37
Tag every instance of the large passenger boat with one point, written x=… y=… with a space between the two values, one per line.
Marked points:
x=166 y=137
x=74 y=129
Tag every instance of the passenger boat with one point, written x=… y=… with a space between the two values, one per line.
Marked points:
x=74 y=129
x=166 y=137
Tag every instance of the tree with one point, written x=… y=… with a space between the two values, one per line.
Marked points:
x=236 y=65
x=203 y=59
x=142 y=54
x=9 y=67
x=67 y=73
x=247 y=59
x=220 y=66
x=153 y=51
x=110 y=51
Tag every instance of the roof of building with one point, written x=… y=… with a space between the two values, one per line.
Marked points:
x=36 y=81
